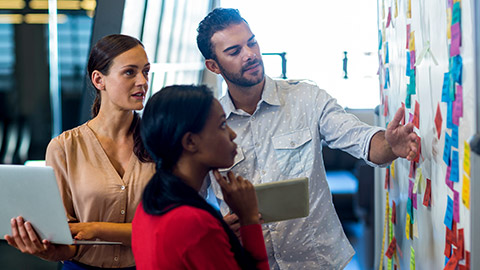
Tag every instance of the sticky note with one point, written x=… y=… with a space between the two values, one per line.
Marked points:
x=447 y=178
x=428 y=193
x=454 y=174
x=456 y=69
x=414 y=202
x=412 y=61
x=456 y=13
x=385 y=107
x=386 y=53
x=449 y=22
x=389 y=16
x=409 y=9
x=451 y=264
x=392 y=169
x=415 y=229
x=450 y=114
x=456 y=206
x=466 y=158
x=449 y=214
x=411 y=45
x=457 y=108
x=391 y=248
x=407 y=66
x=461 y=244
x=410 y=208
x=447 y=150
x=416 y=116
x=412 y=170
x=387 y=78
x=412 y=258
x=445 y=89
x=410 y=188
x=418 y=175
x=438 y=121
x=455 y=40
x=394 y=212
x=466 y=191
x=387 y=178
x=408 y=40
x=454 y=138
x=407 y=226
x=396 y=9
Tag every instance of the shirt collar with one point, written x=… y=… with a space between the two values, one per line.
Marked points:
x=269 y=96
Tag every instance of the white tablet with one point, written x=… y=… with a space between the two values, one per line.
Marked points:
x=282 y=200
x=32 y=192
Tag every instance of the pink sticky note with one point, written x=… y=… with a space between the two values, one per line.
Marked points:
x=412 y=59
x=408 y=36
x=410 y=117
x=456 y=206
x=414 y=200
x=410 y=189
x=389 y=18
x=438 y=120
x=457 y=110
x=456 y=39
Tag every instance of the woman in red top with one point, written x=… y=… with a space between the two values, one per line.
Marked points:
x=185 y=131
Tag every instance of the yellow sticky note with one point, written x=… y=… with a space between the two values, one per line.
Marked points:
x=466 y=191
x=409 y=10
x=415 y=228
x=396 y=9
x=407 y=227
x=449 y=23
x=412 y=258
x=390 y=227
x=466 y=158
x=392 y=170
x=383 y=9
x=418 y=177
x=411 y=45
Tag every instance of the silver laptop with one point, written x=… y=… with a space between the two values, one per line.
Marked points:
x=32 y=192
x=283 y=200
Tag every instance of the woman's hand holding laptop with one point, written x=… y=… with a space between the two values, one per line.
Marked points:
x=25 y=239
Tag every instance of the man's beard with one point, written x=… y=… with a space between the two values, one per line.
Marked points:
x=239 y=80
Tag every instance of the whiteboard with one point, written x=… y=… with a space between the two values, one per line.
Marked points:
x=428 y=22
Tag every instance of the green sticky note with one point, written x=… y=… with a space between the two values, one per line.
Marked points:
x=412 y=258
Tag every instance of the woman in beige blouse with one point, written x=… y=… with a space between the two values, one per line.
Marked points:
x=101 y=166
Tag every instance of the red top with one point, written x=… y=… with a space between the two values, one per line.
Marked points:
x=190 y=238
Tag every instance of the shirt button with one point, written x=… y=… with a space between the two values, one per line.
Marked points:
x=253 y=118
x=292 y=144
x=122 y=212
x=123 y=187
x=257 y=144
x=115 y=259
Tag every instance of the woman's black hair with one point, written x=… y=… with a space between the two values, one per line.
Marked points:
x=101 y=58
x=168 y=115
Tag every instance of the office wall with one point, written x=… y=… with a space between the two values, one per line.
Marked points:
x=427 y=64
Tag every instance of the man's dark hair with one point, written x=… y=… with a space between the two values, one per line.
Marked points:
x=217 y=20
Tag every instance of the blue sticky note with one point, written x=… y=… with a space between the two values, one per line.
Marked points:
x=446 y=84
x=386 y=53
x=412 y=84
x=458 y=67
x=410 y=208
x=454 y=138
x=407 y=73
x=456 y=13
x=450 y=115
x=447 y=149
x=449 y=213
x=380 y=39
x=454 y=177
x=408 y=103
x=387 y=78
